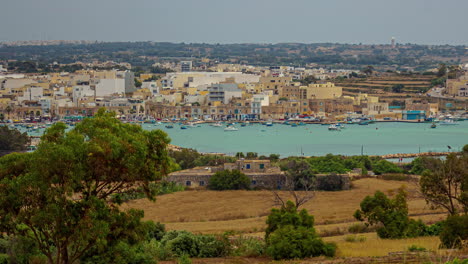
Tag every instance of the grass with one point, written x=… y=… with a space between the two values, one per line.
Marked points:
x=205 y=211
x=373 y=246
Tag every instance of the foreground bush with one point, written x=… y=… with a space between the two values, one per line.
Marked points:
x=290 y=242
x=454 y=231
x=180 y=243
x=290 y=234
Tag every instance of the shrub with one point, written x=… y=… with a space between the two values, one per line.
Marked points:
x=415 y=248
x=287 y=215
x=358 y=228
x=184 y=259
x=454 y=231
x=385 y=166
x=391 y=215
x=434 y=229
x=3 y=258
x=248 y=247
x=290 y=234
x=155 y=230
x=457 y=261
x=180 y=243
x=229 y=180
x=289 y=242
x=332 y=182
x=210 y=246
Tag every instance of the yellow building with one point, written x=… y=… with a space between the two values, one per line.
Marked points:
x=324 y=91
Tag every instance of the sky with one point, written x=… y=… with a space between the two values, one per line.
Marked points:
x=237 y=21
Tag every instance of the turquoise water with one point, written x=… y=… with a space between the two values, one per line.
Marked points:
x=315 y=140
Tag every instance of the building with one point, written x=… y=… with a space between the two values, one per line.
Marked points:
x=260 y=173
x=224 y=92
x=326 y=90
x=186 y=66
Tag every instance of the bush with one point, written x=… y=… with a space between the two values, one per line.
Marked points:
x=391 y=215
x=358 y=228
x=385 y=166
x=179 y=243
x=457 y=261
x=229 y=180
x=354 y=238
x=155 y=230
x=184 y=259
x=3 y=258
x=415 y=248
x=289 y=242
x=332 y=182
x=290 y=234
x=454 y=231
x=248 y=247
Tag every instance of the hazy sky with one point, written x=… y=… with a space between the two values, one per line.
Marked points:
x=237 y=21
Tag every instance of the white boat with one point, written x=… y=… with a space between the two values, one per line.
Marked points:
x=190 y=124
x=218 y=124
x=230 y=128
x=333 y=127
x=448 y=122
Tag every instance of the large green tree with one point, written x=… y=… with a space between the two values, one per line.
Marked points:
x=229 y=180
x=59 y=195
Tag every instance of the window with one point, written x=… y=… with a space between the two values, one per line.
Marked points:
x=247 y=166
x=188 y=183
x=202 y=183
x=262 y=166
x=254 y=182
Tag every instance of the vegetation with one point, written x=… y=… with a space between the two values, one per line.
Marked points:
x=12 y=140
x=290 y=234
x=454 y=231
x=444 y=183
x=391 y=215
x=229 y=180
x=58 y=196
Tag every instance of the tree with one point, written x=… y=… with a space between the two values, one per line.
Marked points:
x=398 y=88
x=444 y=183
x=299 y=181
x=442 y=71
x=290 y=234
x=368 y=70
x=229 y=180
x=12 y=140
x=391 y=215
x=185 y=157
x=60 y=193
x=251 y=155
x=138 y=83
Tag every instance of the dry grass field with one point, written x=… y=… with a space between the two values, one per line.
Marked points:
x=203 y=211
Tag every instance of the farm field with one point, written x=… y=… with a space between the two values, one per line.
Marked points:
x=203 y=211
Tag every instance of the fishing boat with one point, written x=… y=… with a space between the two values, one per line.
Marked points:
x=334 y=127
x=294 y=125
x=183 y=127
x=269 y=124
x=169 y=126
x=243 y=124
x=433 y=125
x=230 y=128
x=364 y=122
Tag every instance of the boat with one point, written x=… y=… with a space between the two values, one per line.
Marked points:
x=364 y=122
x=183 y=127
x=269 y=124
x=448 y=122
x=334 y=127
x=218 y=124
x=294 y=125
x=230 y=128
x=243 y=124
x=169 y=126
x=433 y=125
x=341 y=126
